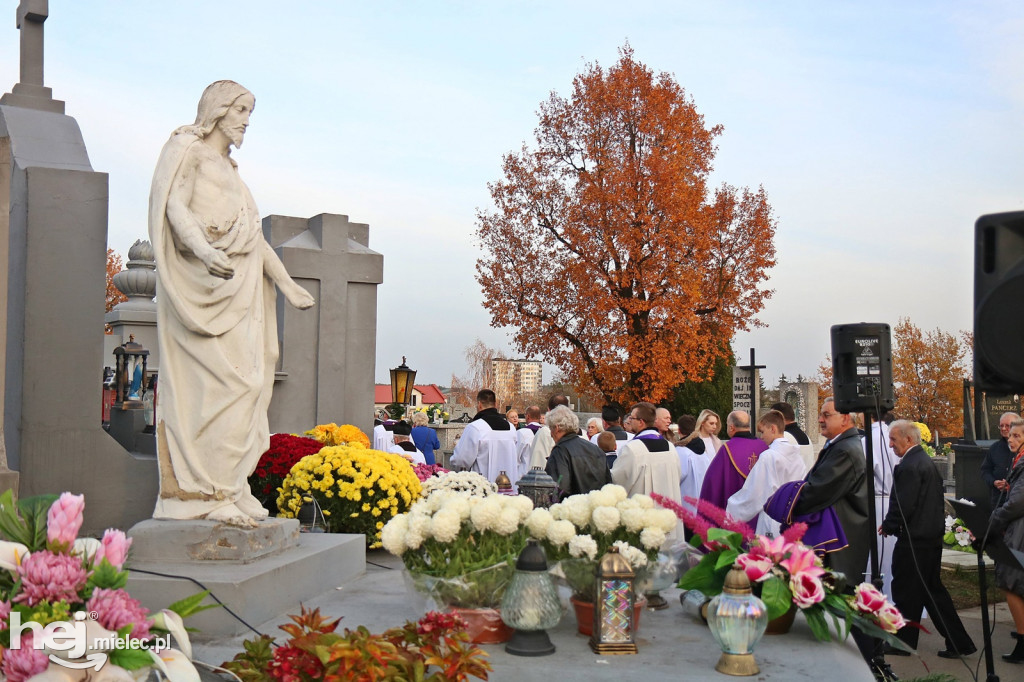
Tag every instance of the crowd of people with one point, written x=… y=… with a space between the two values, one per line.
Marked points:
x=768 y=475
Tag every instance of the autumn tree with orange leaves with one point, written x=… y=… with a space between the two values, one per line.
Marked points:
x=606 y=250
x=114 y=295
x=929 y=368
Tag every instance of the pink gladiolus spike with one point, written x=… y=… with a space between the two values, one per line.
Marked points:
x=720 y=517
x=802 y=559
x=64 y=519
x=113 y=548
x=795 y=533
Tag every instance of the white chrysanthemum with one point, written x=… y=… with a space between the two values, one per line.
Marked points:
x=560 y=532
x=618 y=491
x=652 y=538
x=439 y=498
x=421 y=506
x=557 y=511
x=413 y=539
x=602 y=498
x=644 y=501
x=623 y=505
x=634 y=556
x=577 y=510
x=460 y=505
x=583 y=545
x=419 y=524
x=523 y=504
x=508 y=521
x=662 y=519
x=445 y=525
x=633 y=519
x=537 y=523
x=392 y=536
x=606 y=519
x=485 y=514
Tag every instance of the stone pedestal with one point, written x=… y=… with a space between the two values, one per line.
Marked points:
x=259 y=573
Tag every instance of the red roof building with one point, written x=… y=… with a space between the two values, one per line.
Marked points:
x=422 y=394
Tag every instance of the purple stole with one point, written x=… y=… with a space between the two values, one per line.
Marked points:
x=729 y=469
x=824 y=531
x=533 y=426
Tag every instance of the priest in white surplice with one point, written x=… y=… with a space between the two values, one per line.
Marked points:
x=488 y=445
x=780 y=463
x=648 y=463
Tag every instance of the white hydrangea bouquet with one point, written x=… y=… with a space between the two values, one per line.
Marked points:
x=580 y=529
x=460 y=547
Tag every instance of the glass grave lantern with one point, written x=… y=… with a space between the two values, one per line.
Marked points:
x=737 y=620
x=530 y=604
x=504 y=483
x=402 y=381
x=614 y=625
x=539 y=487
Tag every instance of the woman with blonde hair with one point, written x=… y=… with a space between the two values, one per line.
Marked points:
x=708 y=424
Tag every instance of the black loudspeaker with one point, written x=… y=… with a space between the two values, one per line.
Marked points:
x=998 y=299
x=862 y=367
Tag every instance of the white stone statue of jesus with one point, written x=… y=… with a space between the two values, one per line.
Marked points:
x=216 y=320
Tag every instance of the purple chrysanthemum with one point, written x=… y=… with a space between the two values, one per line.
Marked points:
x=115 y=609
x=46 y=576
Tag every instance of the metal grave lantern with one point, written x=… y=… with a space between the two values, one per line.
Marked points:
x=737 y=620
x=129 y=374
x=530 y=604
x=614 y=625
x=504 y=483
x=402 y=381
x=539 y=487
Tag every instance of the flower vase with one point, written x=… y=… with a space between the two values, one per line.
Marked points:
x=484 y=626
x=585 y=614
x=782 y=624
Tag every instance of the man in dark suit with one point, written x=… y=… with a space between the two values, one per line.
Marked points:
x=838 y=480
x=917 y=518
x=996 y=466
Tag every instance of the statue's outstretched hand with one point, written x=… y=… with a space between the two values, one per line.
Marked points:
x=217 y=263
x=297 y=296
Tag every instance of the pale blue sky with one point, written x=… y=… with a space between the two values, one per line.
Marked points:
x=880 y=131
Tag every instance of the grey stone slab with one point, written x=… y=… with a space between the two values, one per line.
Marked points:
x=166 y=540
x=671 y=646
x=257 y=591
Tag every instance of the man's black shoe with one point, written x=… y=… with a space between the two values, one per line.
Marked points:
x=949 y=653
x=893 y=651
x=882 y=672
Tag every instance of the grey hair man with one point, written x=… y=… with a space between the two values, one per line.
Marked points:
x=577 y=465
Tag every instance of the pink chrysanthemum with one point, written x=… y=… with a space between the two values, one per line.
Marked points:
x=46 y=576
x=22 y=663
x=5 y=614
x=115 y=609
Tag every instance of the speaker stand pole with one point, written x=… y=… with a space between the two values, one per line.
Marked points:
x=869 y=458
x=986 y=634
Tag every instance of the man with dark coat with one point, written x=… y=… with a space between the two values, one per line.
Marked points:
x=996 y=466
x=838 y=479
x=917 y=518
x=576 y=464
x=612 y=419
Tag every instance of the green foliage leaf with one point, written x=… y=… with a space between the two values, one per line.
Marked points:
x=700 y=577
x=729 y=537
x=819 y=626
x=106 y=576
x=776 y=596
x=130 y=659
x=727 y=558
x=33 y=512
x=190 y=605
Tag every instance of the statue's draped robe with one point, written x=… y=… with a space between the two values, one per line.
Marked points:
x=218 y=351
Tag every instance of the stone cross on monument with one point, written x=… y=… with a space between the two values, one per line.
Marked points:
x=30 y=91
